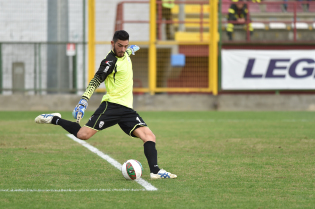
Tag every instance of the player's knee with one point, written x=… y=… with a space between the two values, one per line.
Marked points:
x=153 y=137
x=85 y=133
x=150 y=137
x=83 y=136
x=145 y=134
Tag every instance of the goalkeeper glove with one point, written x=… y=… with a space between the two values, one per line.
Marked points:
x=133 y=49
x=80 y=108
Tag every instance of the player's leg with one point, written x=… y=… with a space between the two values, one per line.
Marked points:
x=102 y=118
x=148 y=138
x=55 y=118
x=144 y=133
x=85 y=133
x=74 y=128
x=133 y=125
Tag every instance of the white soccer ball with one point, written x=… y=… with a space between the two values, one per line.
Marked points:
x=132 y=169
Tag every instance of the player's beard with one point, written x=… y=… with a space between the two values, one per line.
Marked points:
x=119 y=53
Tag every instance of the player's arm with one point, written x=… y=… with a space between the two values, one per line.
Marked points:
x=106 y=68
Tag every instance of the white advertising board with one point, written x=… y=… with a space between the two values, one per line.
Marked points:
x=268 y=69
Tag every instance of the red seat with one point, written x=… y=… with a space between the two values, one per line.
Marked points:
x=311 y=7
x=273 y=8
x=291 y=8
x=254 y=8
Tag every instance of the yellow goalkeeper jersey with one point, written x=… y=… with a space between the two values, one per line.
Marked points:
x=117 y=75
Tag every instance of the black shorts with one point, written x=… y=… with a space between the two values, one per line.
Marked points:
x=109 y=114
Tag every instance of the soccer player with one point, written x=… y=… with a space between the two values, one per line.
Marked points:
x=116 y=106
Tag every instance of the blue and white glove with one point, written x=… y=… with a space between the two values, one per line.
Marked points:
x=133 y=49
x=79 y=109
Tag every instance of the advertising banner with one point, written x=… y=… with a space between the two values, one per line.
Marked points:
x=267 y=69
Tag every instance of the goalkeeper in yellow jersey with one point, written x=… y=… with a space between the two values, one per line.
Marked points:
x=116 y=106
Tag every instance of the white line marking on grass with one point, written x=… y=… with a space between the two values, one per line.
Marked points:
x=71 y=190
x=112 y=161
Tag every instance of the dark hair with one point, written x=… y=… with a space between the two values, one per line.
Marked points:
x=121 y=35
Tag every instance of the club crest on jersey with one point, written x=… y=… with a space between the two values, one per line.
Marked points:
x=101 y=124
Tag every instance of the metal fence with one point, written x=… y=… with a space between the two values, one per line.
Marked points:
x=41 y=68
x=34 y=37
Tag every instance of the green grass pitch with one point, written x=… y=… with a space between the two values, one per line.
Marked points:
x=222 y=159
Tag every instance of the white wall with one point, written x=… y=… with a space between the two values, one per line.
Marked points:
x=23 y=20
x=26 y=21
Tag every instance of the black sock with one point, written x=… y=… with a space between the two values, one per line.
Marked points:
x=71 y=127
x=151 y=155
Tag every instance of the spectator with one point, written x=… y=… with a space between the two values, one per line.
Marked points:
x=167 y=6
x=237 y=13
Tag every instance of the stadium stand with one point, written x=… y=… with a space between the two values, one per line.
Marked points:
x=225 y=8
x=311 y=8
x=254 y=8
x=270 y=20
x=277 y=8
x=271 y=23
x=299 y=8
